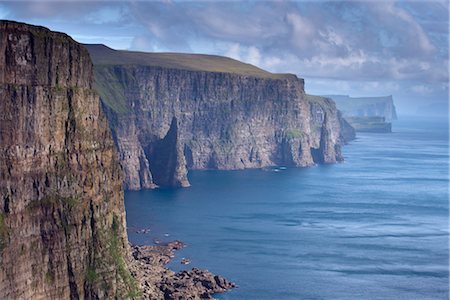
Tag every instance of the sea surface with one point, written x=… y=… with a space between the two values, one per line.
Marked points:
x=373 y=227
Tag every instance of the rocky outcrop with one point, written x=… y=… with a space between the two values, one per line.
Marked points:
x=61 y=208
x=158 y=282
x=229 y=115
x=366 y=106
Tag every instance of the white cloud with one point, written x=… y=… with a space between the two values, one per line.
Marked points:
x=303 y=30
x=422 y=89
x=363 y=46
x=253 y=56
x=249 y=55
x=234 y=51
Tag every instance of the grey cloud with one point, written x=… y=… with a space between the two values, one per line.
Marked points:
x=337 y=39
x=82 y=12
x=367 y=40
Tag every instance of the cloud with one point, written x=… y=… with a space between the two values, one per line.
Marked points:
x=249 y=54
x=393 y=43
x=302 y=29
x=61 y=10
x=234 y=51
x=422 y=89
x=351 y=40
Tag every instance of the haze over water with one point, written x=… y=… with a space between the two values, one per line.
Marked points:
x=374 y=227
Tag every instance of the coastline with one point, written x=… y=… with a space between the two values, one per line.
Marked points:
x=148 y=267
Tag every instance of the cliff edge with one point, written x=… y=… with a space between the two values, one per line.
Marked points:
x=62 y=220
x=229 y=115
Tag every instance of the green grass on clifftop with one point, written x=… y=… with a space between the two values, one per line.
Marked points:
x=322 y=101
x=102 y=55
x=110 y=89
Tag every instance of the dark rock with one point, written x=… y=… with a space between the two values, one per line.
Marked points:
x=160 y=283
x=61 y=206
x=230 y=115
x=166 y=159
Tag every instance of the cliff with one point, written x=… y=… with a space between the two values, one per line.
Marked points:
x=366 y=106
x=367 y=114
x=62 y=224
x=228 y=115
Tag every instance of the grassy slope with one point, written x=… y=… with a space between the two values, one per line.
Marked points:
x=323 y=101
x=102 y=55
x=111 y=90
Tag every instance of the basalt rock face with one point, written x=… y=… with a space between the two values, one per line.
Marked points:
x=242 y=118
x=61 y=208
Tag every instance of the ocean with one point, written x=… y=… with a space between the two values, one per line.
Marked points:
x=372 y=227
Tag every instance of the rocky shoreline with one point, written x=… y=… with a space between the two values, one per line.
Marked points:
x=147 y=265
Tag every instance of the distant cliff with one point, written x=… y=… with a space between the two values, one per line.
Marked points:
x=62 y=224
x=366 y=106
x=173 y=112
x=367 y=114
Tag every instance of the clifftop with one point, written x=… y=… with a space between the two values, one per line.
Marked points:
x=103 y=55
x=34 y=55
x=229 y=115
x=62 y=219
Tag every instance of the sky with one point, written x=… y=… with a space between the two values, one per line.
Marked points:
x=356 y=48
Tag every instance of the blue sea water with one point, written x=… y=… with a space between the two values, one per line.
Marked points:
x=373 y=227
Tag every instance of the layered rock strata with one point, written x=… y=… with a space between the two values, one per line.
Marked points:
x=62 y=217
x=229 y=115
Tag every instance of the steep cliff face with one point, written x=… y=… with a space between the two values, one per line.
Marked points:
x=366 y=106
x=229 y=115
x=61 y=208
x=335 y=131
